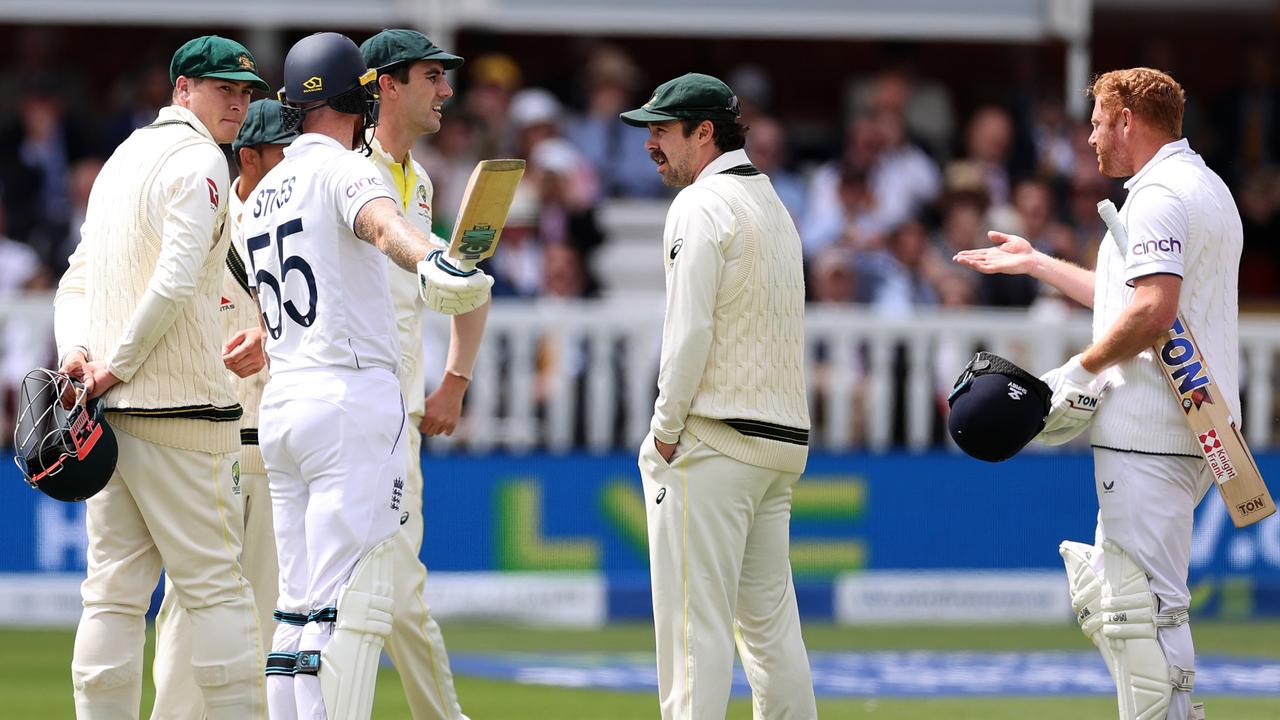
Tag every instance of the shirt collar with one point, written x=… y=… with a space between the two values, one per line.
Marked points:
x=307 y=140
x=1169 y=150
x=404 y=175
x=733 y=158
x=180 y=114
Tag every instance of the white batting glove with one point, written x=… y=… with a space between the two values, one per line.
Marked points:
x=448 y=290
x=1075 y=402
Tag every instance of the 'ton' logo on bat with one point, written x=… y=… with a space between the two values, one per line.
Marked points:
x=1187 y=368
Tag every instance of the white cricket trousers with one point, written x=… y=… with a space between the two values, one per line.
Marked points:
x=176 y=508
x=1146 y=504
x=719 y=536
x=333 y=441
x=416 y=646
x=177 y=695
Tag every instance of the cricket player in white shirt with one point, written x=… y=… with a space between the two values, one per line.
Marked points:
x=730 y=430
x=412 y=89
x=1184 y=236
x=332 y=419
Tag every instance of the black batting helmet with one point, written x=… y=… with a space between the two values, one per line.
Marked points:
x=63 y=446
x=996 y=408
x=327 y=70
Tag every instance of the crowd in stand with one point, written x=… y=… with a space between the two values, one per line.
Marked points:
x=913 y=180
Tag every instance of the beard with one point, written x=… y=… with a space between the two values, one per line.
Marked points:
x=677 y=175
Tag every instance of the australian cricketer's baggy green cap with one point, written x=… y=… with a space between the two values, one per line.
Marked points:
x=689 y=97
x=215 y=57
x=263 y=126
x=394 y=47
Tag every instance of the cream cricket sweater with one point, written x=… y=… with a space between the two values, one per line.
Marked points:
x=239 y=311
x=732 y=368
x=142 y=289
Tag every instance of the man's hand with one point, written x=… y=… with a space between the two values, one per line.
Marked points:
x=444 y=406
x=1075 y=402
x=1012 y=255
x=97 y=378
x=666 y=450
x=448 y=290
x=73 y=364
x=245 y=353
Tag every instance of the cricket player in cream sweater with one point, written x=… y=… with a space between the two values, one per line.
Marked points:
x=257 y=148
x=730 y=429
x=1184 y=240
x=412 y=88
x=136 y=317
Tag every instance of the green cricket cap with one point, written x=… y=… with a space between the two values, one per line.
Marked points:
x=689 y=97
x=215 y=57
x=263 y=126
x=396 y=47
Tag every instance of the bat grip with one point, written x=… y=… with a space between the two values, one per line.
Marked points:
x=1111 y=217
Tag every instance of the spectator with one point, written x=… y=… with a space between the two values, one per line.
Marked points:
x=903 y=272
x=36 y=153
x=615 y=149
x=492 y=79
x=905 y=180
x=988 y=143
x=149 y=92
x=767 y=147
x=841 y=202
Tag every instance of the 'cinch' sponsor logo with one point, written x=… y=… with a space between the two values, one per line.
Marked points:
x=1161 y=245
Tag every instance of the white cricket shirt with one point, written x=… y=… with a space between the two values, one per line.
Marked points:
x=1181 y=220
x=323 y=291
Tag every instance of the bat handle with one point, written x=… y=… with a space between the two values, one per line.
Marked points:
x=465 y=265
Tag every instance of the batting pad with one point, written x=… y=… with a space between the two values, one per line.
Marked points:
x=349 y=661
x=1145 y=680
x=1086 y=596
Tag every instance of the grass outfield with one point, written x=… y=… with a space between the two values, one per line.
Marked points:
x=35 y=674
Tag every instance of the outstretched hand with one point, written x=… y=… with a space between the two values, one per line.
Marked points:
x=1011 y=255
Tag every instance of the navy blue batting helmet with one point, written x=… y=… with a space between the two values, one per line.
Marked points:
x=996 y=408
x=327 y=70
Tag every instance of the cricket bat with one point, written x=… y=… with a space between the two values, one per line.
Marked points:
x=483 y=212
x=1233 y=467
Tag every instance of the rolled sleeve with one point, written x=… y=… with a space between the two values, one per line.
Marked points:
x=699 y=223
x=1159 y=233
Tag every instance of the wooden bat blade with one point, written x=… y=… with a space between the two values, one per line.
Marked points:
x=483 y=212
x=1235 y=472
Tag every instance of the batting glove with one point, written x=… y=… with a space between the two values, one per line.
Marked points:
x=448 y=290
x=1075 y=402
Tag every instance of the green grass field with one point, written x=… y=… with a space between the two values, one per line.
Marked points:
x=35 y=675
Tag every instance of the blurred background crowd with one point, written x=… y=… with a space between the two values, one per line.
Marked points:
x=890 y=156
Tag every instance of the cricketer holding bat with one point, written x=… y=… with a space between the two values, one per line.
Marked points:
x=1184 y=239
x=332 y=418
x=412 y=89
x=730 y=430
x=136 y=317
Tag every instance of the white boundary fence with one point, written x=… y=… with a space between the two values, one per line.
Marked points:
x=581 y=375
